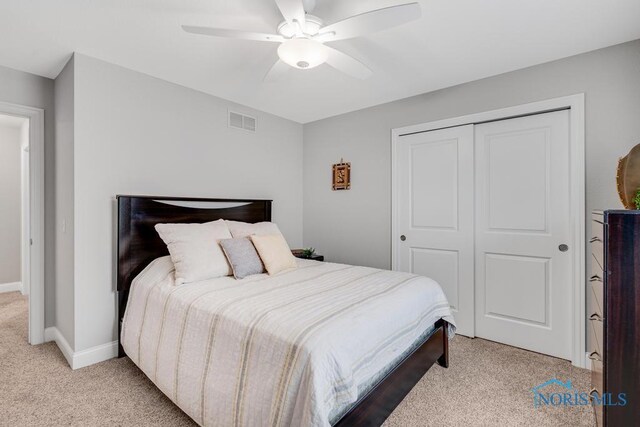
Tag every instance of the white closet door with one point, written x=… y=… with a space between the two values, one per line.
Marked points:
x=434 y=227
x=523 y=273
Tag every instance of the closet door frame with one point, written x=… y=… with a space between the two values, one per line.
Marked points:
x=575 y=105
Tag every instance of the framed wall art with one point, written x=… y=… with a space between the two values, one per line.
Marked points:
x=341 y=176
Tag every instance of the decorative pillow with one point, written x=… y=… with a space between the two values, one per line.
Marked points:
x=244 y=229
x=195 y=251
x=274 y=252
x=242 y=256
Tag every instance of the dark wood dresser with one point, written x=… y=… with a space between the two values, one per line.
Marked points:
x=614 y=316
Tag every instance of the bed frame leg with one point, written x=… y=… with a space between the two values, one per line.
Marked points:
x=122 y=303
x=444 y=359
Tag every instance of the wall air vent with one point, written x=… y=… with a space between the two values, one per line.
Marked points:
x=242 y=121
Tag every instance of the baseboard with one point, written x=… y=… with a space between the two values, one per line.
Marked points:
x=80 y=359
x=53 y=334
x=10 y=287
x=94 y=355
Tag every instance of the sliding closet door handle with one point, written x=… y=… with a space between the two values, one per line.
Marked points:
x=595 y=239
x=403 y=237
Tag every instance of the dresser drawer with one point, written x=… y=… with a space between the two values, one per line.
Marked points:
x=596 y=302
x=597 y=243
x=596 y=344
x=597 y=229
x=597 y=410
x=596 y=268
x=596 y=388
x=597 y=254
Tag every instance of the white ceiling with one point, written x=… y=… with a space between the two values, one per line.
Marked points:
x=455 y=41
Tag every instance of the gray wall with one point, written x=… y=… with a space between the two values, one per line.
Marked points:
x=355 y=226
x=64 y=299
x=10 y=203
x=135 y=134
x=27 y=89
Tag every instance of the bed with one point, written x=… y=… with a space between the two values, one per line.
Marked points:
x=322 y=344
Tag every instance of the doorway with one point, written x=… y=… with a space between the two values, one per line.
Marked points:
x=22 y=139
x=492 y=207
x=14 y=193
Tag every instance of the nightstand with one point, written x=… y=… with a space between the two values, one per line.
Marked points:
x=298 y=254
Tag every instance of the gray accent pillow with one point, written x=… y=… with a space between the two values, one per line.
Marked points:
x=242 y=256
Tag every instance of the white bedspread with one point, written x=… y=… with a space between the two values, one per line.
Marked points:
x=284 y=350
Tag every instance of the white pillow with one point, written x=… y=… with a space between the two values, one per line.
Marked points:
x=244 y=229
x=195 y=251
x=274 y=252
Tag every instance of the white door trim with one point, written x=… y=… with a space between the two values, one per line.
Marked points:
x=575 y=104
x=36 y=213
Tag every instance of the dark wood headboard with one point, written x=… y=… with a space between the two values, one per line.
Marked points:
x=139 y=243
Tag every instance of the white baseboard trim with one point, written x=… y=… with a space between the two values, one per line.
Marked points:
x=94 y=355
x=10 y=287
x=53 y=334
x=80 y=359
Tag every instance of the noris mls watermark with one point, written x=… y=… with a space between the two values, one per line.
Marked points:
x=569 y=396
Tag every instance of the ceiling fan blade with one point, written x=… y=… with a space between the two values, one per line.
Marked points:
x=293 y=11
x=234 y=34
x=347 y=64
x=370 y=22
x=276 y=72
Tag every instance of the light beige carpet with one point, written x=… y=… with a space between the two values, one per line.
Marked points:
x=487 y=384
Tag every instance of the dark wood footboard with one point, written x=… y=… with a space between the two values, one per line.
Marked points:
x=376 y=406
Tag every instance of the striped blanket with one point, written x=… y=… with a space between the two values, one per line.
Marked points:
x=292 y=349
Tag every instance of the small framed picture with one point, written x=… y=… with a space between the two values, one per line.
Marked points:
x=342 y=176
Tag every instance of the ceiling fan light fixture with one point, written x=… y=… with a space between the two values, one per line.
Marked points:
x=302 y=35
x=312 y=25
x=302 y=53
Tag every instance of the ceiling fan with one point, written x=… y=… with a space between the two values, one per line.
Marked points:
x=302 y=36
